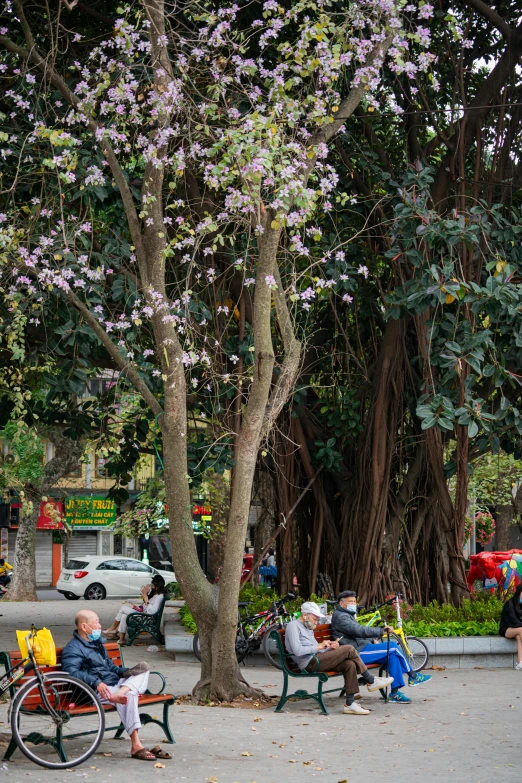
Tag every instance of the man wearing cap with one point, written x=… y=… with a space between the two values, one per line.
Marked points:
x=349 y=632
x=327 y=656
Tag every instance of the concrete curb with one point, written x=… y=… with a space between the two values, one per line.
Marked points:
x=466 y=652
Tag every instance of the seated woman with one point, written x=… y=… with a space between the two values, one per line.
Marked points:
x=511 y=622
x=151 y=604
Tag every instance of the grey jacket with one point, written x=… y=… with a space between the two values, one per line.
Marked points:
x=344 y=624
x=300 y=643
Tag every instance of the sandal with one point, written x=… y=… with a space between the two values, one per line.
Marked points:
x=143 y=755
x=159 y=753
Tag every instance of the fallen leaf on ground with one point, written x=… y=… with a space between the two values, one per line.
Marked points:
x=463 y=713
x=107 y=754
x=292 y=761
x=157 y=765
x=246 y=753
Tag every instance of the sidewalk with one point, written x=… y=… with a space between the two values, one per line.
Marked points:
x=464 y=727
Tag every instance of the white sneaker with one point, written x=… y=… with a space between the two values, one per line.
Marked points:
x=380 y=682
x=355 y=709
x=519 y=666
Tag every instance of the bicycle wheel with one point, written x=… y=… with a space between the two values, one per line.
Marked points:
x=270 y=647
x=418 y=653
x=195 y=646
x=58 y=724
x=242 y=647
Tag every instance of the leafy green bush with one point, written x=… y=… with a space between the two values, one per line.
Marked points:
x=262 y=599
x=481 y=609
x=187 y=620
x=487 y=628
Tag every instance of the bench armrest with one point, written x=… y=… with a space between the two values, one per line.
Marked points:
x=163 y=686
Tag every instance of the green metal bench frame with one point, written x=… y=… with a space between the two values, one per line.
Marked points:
x=138 y=623
x=5 y=661
x=323 y=678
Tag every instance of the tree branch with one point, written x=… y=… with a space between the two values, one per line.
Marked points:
x=492 y=16
x=57 y=81
x=124 y=366
x=292 y=356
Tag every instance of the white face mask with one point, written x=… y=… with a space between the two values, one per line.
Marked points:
x=352 y=608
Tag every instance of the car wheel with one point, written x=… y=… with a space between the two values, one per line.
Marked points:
x=95 y=592
x=72 y=597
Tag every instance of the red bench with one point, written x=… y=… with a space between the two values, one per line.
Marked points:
x=13 y=658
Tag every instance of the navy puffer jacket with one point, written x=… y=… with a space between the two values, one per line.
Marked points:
x=90 y=662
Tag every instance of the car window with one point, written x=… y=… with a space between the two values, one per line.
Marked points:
x=75 y=565
x=112 y=565
x=136 y=565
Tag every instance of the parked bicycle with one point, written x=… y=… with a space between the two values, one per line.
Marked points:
x=253 y=631
x=41 y=711
x=413 y=648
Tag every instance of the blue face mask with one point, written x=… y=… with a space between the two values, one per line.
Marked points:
x=520 y=599
x=94 y=635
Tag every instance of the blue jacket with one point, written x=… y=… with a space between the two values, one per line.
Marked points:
x=90 y=662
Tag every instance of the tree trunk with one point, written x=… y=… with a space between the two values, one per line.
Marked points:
x=504 y=519
x=66 y=459
x=23 y=581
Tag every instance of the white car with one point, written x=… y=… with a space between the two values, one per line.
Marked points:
x=95 y=578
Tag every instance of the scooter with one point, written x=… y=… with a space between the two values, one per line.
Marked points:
x=4 y=587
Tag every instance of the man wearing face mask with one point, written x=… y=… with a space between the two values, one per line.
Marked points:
x=345 y=626
x=327 y=656
x=85 y=657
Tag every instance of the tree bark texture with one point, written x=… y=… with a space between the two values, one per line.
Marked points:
x=66 y=459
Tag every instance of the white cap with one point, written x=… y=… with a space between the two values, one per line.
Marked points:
x=309 y=607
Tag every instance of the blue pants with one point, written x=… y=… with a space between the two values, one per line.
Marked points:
x=398 y=665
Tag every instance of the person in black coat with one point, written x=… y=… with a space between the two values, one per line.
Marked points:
x=511 y=622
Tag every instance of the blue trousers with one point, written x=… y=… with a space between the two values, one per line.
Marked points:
x=398 y=665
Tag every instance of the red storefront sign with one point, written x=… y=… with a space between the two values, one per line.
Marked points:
x=51 y=515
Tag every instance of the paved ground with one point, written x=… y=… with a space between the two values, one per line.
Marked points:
x=464 y=727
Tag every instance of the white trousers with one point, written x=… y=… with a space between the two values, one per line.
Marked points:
x=121 y=617
x=128 y=713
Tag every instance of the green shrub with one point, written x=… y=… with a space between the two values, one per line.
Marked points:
x=452 y=628
x=186 y=619
x=480 y=609
x=262 y=599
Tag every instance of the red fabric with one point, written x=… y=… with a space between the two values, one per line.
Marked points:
x=485 y=565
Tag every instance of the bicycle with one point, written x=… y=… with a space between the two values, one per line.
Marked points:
x=413 y=648
x=253 y=631
x=41 y=712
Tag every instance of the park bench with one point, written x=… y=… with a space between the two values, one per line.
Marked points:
x=138 y=623
x=321 y=633
x=13 y=658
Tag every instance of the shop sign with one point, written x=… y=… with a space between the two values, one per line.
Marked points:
x=93 y=512
x=50 y=516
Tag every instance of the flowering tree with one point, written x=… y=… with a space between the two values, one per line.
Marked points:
x=197 y=139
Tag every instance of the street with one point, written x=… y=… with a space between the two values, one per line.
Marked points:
x=463 y=726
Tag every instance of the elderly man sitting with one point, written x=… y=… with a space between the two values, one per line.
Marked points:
x=85 y=657
x=351 y=633
x=327 y=656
